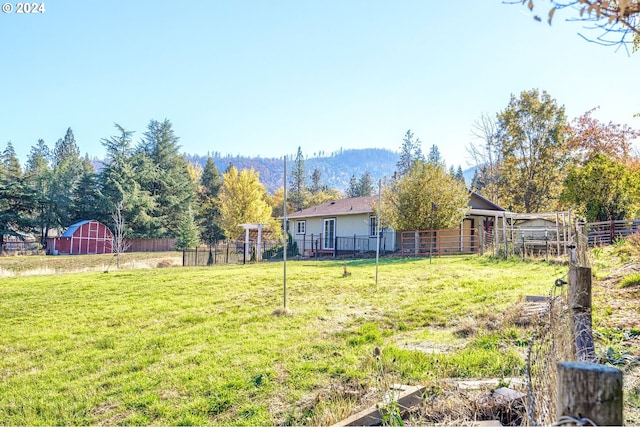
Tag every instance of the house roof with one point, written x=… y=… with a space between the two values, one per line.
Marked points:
x=476 y=201
x=362 y=205
x=351 y=206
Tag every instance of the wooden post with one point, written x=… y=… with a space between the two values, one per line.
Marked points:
x=580 y=304
x=590 y=390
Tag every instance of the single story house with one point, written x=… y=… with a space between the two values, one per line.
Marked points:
x=349 y=226
x=340 y=226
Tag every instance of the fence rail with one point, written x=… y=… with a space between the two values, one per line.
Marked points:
x=230 y=252
x=314 y=245
x=454 y=241
x=606 y=232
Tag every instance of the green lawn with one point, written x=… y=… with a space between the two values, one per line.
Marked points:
x=202 y=345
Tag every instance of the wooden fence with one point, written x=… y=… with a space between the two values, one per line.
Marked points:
x=455 y=241
x=150 y=245
x=606 y=232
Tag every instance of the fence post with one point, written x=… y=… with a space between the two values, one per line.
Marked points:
x=354 y=245
x=183 y=257
x=612 y=227
x=580 y=304
x=589 y=390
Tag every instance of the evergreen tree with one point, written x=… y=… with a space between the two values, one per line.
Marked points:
x=66 y=148
x=477 y=182
x=365 y=185
x=410 y=151
x=209 y=216
x=316 y=185
x=67 y=169
x=122 y=195
x=435 y=157
x=86 y=198
x=17 y=199
x=459 y=175
x=188 y=235
x=352 y=191
x=39 y=176
x=164 y=175
x=11 y=162
x=298 y=181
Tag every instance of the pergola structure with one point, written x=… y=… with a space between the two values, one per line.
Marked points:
x=247 y=228
x=506 y=228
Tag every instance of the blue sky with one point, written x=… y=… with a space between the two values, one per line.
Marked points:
x=264 y=77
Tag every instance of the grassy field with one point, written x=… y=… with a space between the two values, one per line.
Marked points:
x=42 y=264
x=202 y=345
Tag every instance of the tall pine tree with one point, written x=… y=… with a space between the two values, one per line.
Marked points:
x=121 y=191
x=208 y=217
x=410 y=152
x=164 y=175
x=298 y=182
x=67 y=169
x=39 y=175
x=17 y=199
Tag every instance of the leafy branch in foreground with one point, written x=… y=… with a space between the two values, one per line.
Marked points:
x=617 y=20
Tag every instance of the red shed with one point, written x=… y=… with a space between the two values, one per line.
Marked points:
x=84 y=237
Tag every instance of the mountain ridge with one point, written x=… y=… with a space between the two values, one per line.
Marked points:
x=336 y=168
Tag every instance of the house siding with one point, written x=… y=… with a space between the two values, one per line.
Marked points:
x=351 y=232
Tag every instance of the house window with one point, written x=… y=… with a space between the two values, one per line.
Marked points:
x=373 y=226
x=301 y=227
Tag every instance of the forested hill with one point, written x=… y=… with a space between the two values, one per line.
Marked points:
x=336 y=169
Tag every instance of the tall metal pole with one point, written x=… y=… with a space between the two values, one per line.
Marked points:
x=378 y=229
x=284 y=227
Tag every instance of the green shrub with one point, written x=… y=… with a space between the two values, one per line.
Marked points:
x=630 y=280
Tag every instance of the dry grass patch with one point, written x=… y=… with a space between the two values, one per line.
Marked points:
x=447 y=404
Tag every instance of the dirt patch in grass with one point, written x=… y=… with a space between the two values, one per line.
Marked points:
x=427 y=347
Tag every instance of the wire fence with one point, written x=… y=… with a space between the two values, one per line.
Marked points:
x=231 y=252
x=552 y=341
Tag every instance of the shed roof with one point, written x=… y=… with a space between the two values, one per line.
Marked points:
x=351 y=206
x=72 y=228
x=476 y=201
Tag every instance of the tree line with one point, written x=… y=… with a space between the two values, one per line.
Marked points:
x=144 y=190
x=532 y=159
x=529 y=158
